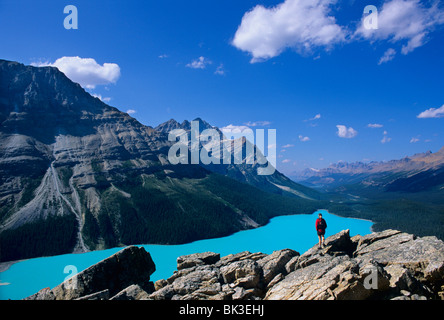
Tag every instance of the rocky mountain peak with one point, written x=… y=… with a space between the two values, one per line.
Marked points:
x=168 y=126
x=172 y=124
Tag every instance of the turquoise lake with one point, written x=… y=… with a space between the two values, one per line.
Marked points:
x=295 y=232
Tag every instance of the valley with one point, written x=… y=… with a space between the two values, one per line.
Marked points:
x=83 y=176
x=78 y=175
x=407 y=194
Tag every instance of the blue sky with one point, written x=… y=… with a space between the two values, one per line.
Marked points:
x=332 y=89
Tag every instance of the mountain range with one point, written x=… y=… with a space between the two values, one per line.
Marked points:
x=420 y=172
x=77 y=174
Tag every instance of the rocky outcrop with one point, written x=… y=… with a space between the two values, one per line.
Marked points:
x=382 y=265
x=113 y=276
x=240 y=276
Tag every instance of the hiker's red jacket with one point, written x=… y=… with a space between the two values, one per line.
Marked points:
x=320 y=225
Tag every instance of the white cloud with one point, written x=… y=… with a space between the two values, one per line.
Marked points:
x=306 y=25
x=220 y=70
x=388 y=56
x=374 y=125
x=199 y=63
x=386 y=139
x=131 y=111
x=286 y=161
x=104 y=99
x=86 y=71
x=316 y=117
x=405 y=21
x=432 y=113
x=234 y=128
x=303 y=139
x=288 y=146
x=299 y=24
x=344 y=132
x=258 y=123
x=163 y=56
x=414 y=140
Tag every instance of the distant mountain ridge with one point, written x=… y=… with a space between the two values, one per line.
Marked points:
x=77 y=174
x=384 y=173
x=172 y=124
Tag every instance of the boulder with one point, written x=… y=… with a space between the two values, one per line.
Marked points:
x=44 y=294
x=131 y=265
x=377 y=242
x=240 y=294
x=197 y=259
x=275 y=280
x=337 y=278
x=199 y=282
x=200 y=278
x=424 y=257
x=239 y=257
x=312 y=282
x=133 y=292
x=245 y=273
x=339 y=243
x=402 y=278
x=291 y=265
x=165 y=293
x=274 y=263
x=374 y=236
x=159 y=284
x=374 y=278
x=101 y=295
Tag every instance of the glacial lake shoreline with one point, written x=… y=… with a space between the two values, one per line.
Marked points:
x=26 y=277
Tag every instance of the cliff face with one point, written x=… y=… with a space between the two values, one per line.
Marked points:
x=383 y=265
x=61 y=149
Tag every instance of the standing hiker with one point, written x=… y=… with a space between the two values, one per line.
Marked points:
x=321 y=225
